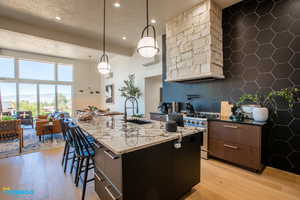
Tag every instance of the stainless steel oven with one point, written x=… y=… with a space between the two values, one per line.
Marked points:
x=200 y=121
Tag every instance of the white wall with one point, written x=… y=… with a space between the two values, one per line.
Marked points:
x=152 y=94
x=121 y=67
x=85 y=75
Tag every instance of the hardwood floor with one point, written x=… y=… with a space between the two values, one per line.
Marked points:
x=42 y=173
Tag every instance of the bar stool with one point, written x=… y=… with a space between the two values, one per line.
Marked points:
x=84 y=156
x=67 y=145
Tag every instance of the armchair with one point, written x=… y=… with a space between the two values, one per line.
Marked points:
x=10 y=130
x=25 y=117
x=40 y=126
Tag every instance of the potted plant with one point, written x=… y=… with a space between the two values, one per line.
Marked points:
x=130 y=90
x=269 y=102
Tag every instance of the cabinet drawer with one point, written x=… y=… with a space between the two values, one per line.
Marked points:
x=216 y=148
x=113 y=168
x=99 y=158
x=243 y=155
x=236 y=133
x=105 y=190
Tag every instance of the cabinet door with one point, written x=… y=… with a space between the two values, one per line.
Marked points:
x=242 y=155
x=237 y=133
x=113 y=168
x=186 y=164
x=216 y=148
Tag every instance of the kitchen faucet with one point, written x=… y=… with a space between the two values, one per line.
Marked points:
x=132 y=100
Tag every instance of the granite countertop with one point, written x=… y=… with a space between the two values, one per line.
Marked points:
x=120 y=137
x=245 y=121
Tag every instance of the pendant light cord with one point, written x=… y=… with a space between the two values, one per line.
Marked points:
x=104 y=11
x=147 y=15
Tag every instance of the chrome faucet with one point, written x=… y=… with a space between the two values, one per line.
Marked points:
x=132 y=100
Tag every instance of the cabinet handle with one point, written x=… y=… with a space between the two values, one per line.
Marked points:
x=100 y=179
x=230 y=146
x=229 y=126
x=110 y=155
x=110 y=193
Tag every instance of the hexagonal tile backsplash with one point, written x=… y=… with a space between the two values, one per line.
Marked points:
x=275 y=46
x=261 y=44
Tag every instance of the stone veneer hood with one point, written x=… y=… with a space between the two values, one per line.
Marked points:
x=194 y=44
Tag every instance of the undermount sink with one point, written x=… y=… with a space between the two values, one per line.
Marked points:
x=139 y=121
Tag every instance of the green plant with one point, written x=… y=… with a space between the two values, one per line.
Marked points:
x=7 y=118
x=92 y=108
x=130 y=90
x=289 y=95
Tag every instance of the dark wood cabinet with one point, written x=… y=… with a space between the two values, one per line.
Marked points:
x=159 y=172
x=241 y=144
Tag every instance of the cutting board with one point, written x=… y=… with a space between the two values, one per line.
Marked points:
x=226 y=109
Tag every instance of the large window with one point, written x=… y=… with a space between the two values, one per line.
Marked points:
x=7 y=67
x=47 y=99
x=36 y=70
x=65 y=73
x=40 y=87
x=28 y=98
x=64 y=98
x=8 y=97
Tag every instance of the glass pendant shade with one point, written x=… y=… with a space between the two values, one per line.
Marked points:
x=103 y=67
x=147 y=47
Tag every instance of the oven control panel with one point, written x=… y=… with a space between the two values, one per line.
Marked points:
x=195 y=122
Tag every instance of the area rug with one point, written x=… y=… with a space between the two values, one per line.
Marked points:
x=31 y=143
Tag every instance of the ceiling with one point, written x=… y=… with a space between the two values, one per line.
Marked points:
x=81 y=20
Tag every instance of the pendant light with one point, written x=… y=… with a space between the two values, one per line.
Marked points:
x=147 y=46
x=103 y=65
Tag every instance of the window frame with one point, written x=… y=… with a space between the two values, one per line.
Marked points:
x=38 y=82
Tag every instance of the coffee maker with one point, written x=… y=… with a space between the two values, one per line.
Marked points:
x=165 y=108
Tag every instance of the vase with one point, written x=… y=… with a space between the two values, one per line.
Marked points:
x=260 y=114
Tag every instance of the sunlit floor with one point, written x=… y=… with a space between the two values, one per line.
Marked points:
x=42 y=173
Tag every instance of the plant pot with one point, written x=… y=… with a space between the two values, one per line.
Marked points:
x=248 y=109
x=260 y=114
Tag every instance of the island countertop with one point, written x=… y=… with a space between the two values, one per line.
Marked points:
x=120 y=137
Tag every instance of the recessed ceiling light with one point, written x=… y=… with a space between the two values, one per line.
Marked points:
x=124 y=38
x=58 y=18
x=153 y=21
x=117 y=5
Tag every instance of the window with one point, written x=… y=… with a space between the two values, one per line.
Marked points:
x=47 y=99
x=64 y=98
x=39 y=87
x=65 y=72
x=8 y=97
x=28 y=98
x=7 y=67
x=36 y=70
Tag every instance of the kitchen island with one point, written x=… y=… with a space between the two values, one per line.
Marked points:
x=135 y=162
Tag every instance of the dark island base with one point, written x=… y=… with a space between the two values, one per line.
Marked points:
x=160 y=172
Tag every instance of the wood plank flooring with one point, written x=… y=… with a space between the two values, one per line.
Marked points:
x=42 y=173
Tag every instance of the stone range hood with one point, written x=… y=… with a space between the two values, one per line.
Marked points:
x=194 y=44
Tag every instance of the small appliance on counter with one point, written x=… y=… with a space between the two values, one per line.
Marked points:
x=171 y=126
x=176 y=107
x=165 y=108
x=189 y=109
x=178 y=118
